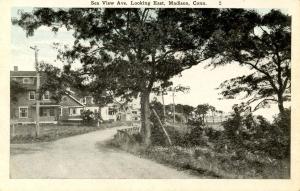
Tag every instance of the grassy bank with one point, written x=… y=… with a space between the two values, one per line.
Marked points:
x=206 y=161
x=50 y=132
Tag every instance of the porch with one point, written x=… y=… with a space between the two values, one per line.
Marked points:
x=47 y=113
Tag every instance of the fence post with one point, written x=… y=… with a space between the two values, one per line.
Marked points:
x=13 y=130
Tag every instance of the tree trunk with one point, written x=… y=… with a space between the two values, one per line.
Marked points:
x=280 y=104
x=100 y=114
x=145 y=118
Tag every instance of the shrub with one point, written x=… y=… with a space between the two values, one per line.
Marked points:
x=232 y=125
x=88 y=117
x=196 y=122
x=196 y=137
x=256 y=134
x=157 y=135
x=213 y=134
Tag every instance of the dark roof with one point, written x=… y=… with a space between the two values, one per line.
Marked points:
x=29 y=74
x=91 y=105
x=22 y=73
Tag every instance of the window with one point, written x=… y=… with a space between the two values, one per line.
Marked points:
x=61 y=111
x=51 y=112
x=111 y=111
x=73 y=111
x=46 y=95
x=134 y=112
x=23 y=112
x=43 y=112
x=27 y=81
x=92 y=100
x=32 y=95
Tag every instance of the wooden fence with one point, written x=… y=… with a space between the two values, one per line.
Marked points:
x=127 y=133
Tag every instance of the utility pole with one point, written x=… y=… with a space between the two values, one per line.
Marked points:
x=173 y=94
x=164 y=107
x=37 y=108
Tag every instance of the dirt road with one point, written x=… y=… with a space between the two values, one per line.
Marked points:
x=83 y=156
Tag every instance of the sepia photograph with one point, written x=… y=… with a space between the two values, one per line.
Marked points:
x=150 y=93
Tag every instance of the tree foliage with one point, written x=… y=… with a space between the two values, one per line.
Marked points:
x=201 y=111
x=186 y=110
x=261 y=42
x=15 y=89
x=127 y=51
x=59 y=81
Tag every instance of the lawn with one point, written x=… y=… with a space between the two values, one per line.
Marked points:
x=50 y=132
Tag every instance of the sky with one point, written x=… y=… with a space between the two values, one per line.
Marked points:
x=202 y=81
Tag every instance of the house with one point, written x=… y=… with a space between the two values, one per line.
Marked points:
x=68 y=109
x=24 y=109
x=89 y=104
x=121 y=112
x=111 y=112
x=131 y=111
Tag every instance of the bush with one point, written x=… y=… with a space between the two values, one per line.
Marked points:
x=196 y=122
x=157 y=135
x=280 y=146
x=256 y=134
x=233 y=125
x=213 y=134
x=196 y=137
x=88 y=117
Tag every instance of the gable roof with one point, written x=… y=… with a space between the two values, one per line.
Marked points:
x=74 y=99
x=22 y=73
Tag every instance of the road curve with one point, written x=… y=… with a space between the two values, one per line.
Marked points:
x=84 y=156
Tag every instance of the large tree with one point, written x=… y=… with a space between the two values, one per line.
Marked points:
x=59 y=82
x=130 y=51
x=15 y=90
x=262 y=43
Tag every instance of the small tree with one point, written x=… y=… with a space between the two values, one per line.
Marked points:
x=186 y=110
x=201 y=111
x=88 y=117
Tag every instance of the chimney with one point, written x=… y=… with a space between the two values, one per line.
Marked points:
x=15 y=68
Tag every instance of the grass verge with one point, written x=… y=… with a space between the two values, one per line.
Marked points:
x=205 y=162
x=51 y=132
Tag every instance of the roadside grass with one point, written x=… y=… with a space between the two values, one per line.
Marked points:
x=51 y=132
x=206 y=161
